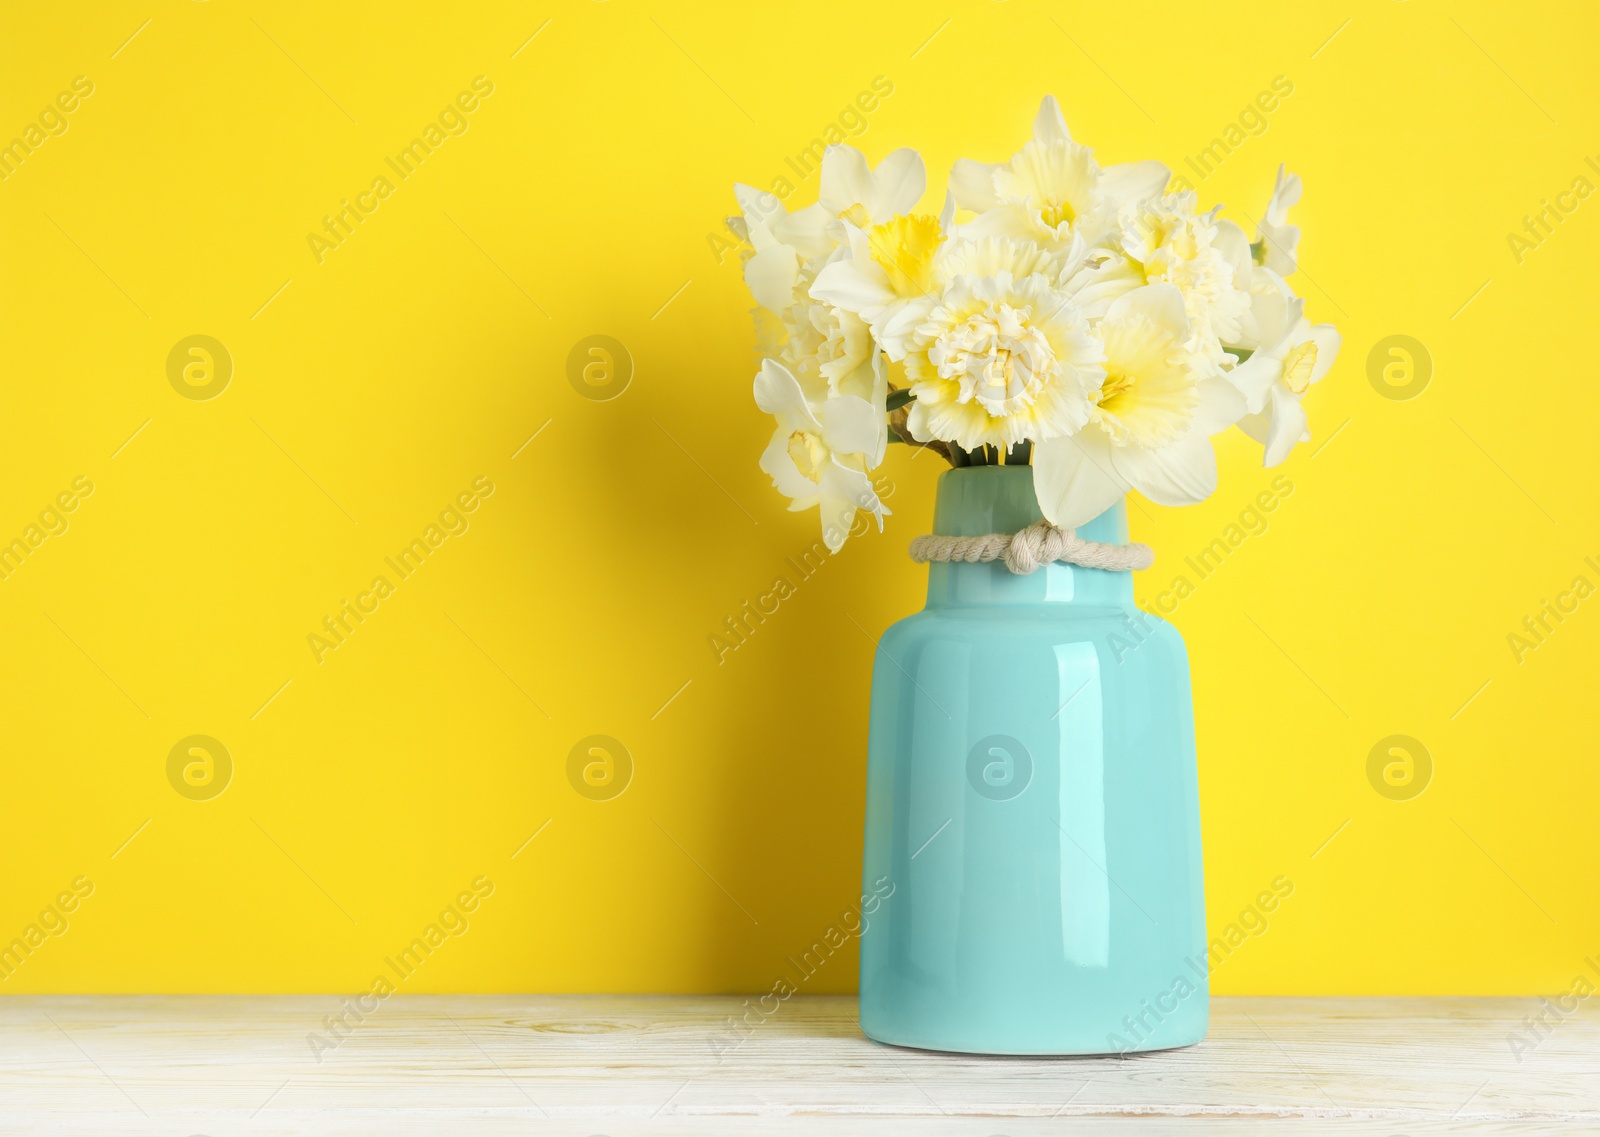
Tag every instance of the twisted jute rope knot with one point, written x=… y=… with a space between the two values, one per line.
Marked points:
x=1039 y=544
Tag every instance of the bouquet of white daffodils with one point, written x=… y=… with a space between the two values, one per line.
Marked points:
x=1081 y=319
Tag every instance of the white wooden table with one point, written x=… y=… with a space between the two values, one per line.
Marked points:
x=619 y=1065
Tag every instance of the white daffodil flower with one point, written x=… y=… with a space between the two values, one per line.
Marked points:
x=851 y=190
x=1173 y=244
x=820 y=453
x=1052 y=189
x=885 y=274
x=773 y=270
x=1152 y=420
x=1099 y=278
x=1278 y=241
x=1003 y=354
x=829 y=350
x=882 y=193
x=1248 y=278
x=1293 y=354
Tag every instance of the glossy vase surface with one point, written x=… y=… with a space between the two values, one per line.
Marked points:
x=1033 y=815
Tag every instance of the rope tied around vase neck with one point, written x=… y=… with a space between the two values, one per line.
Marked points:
x=1038 y=545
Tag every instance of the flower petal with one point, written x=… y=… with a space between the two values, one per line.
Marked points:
x=760 y=209
x=1180 y=473
x=771 y=275
x=1221 y=405
x=1288 y=423
x=1279 y=239
x=1253 y=379
x=843 y=491
x=1103 y=278
x=1328 y=340
x=1073 y=478
x=849 y=425
x=897 y=323
x=846 y=179
x=972 y=183
x=1257 y=426
x=1278 y=311
x=898 y=183
x=786 y=477
x=1003 y=220
x=1161 y=304
x=1050 y=125
x=1231 y=242
x=778 y=393
x=805 y=229
x=1285 y=193
x=880 y=414
x=851 y=286
x=1132 y=181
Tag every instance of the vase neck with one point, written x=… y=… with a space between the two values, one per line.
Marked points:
x=977 y=500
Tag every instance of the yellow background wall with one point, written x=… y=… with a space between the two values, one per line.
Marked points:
x=373 y=783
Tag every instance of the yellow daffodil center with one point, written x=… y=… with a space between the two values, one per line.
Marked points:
x=1298 y=365
x=1112 y=391
x=904 y=247
x=1148 y=397
x=808 y=453
x=1057 y=214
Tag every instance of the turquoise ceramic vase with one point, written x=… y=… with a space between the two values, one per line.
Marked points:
x=1033 y=814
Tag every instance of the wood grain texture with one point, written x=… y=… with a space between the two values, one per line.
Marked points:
x=627 y=1064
